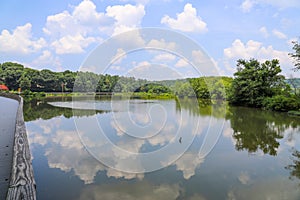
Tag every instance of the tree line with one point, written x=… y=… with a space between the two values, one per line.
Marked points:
x=15 y=76
x=255 y=84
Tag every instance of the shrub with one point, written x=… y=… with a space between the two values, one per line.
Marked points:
x=281 y=103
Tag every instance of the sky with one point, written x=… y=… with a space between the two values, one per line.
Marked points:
x=62 y=34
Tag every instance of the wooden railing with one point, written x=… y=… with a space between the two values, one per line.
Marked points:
x=22 y=184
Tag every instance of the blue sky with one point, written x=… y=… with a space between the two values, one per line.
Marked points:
x=59 y=34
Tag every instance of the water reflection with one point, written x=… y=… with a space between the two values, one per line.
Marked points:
x=259 y=130
x=64 y=150
x=272 y=188
x=294 y=168
x=224 y=174
x=40 y=109
x=131 y=191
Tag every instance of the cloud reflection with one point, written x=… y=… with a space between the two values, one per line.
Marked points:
x=64 y=149
x=126 y=191
x=274 y=188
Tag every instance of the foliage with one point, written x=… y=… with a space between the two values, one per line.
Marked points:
x=295 y=84
x=200 y=88
x=255 y=81
x=153 y=88
x=24 y=82
x=10 y=74
x=15 y=75
x=281 y=103
x=296 y=55
x=206 y=87
x=184 y=89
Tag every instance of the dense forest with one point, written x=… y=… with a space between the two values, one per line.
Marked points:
x=15 y=76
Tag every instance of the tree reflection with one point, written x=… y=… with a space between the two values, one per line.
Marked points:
x=295 y=167
x=256 y=129
x=40 y=109
x=203 y=107
x=253 y=129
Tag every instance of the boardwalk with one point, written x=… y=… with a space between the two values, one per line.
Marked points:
x=8 y=111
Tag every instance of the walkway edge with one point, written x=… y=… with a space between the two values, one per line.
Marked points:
x=22 y=184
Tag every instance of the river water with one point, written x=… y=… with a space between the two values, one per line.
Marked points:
x=161 y=149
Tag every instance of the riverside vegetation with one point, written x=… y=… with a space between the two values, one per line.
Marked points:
x=255 y=84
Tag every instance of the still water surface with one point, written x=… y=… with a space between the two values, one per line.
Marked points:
x=256 y=155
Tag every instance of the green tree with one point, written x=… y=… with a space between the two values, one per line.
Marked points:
x=255 y=81
x=200 y=88
x=296 y=55
x=184 y=89
x=24 y=82
x=11 y=73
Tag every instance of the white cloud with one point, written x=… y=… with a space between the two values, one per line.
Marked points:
x=239 y=50
x=86 y=13
x=279 y=34
x=247 y=5
x=126 y=17
x=187 y=21
x=263 y=30
x=153 y=71
x=72 y=32
x=254 y=49
x=46 y=58
x=162 y=44
x=164 y=57
x=82 y=20
x=181 y=63
x=20 y=41
x=72 y=44
x=130 y=40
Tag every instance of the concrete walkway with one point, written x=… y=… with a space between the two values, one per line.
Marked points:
x=8 y=111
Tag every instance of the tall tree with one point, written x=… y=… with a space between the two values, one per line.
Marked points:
x=296 y=55
x=255 y=81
